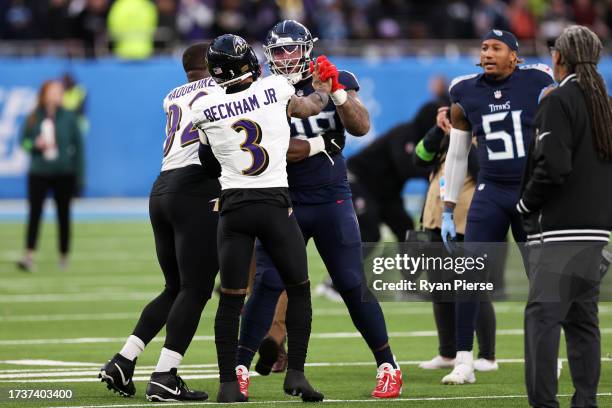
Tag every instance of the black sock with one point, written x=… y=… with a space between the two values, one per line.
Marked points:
x=298 y=321
x=444 y=314
x=227 y=321
x=384 y=355
x=485 y=331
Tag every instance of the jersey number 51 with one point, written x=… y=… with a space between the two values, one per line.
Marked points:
x=508 y=151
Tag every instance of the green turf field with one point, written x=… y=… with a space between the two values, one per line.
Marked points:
x=82 y=316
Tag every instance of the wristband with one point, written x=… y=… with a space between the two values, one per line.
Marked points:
x=317 y=145
x=339 y=97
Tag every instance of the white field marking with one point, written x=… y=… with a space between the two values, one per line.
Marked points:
x=408 y=310
x=340 y=335
x=77 y=297
x=210 y=368
x=113 y=253
x=69 y=317
x=53 y=363
x=94 y=378
x=331 y=401
x=89 y=373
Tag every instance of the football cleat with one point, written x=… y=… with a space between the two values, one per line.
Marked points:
x=296 y=385
x=26 y=264
x=230 y=392
x=463 y=373
x=437 y=362
x=389 y=382
x=268 y=353
x=242 y=375
x=482 y=364
x=117 y=374
x=168 y=386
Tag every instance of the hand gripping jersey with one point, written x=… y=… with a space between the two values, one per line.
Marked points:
x=248 y=132
x=315 y=180
x=180 y=146
x=501 y=114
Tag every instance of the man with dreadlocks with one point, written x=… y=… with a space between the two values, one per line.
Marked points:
x=567 y=213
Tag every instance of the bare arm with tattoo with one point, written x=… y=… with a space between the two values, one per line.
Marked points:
x=354 y=114
x=305 y=106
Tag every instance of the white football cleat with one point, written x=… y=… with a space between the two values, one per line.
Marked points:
x=463 y=373
x=559 y=368
x=437 y=362
x=482 y=364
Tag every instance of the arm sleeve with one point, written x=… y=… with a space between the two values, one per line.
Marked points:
x=552 y=154
x=455 y=167
x=428 y=147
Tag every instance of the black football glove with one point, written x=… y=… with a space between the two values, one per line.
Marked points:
x=333 y=143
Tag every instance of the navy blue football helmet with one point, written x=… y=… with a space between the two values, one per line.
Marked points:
x=287 y=48
x=230 y=59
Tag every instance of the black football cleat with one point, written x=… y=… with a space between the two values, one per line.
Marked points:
x=296 y=385
x=268 y=354
x=168 y=386
x=117 y=374
x=230 y=392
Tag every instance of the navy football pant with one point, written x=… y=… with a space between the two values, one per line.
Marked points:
x=334 y=229
x=491 y=213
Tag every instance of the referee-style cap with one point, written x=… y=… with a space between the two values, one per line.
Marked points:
x=504 y=36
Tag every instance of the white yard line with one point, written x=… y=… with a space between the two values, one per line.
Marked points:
x=69 y=317
x=77 y=297
x=331 y=401
x=187 y=370
x=406 y=310
x=339 y=335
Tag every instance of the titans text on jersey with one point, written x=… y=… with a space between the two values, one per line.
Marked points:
x=501 y=114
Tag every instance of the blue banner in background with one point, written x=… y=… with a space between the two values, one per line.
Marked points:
x=124 y=108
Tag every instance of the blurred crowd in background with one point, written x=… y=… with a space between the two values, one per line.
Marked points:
x=93 y=27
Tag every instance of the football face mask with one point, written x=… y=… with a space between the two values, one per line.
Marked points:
x=290 y=60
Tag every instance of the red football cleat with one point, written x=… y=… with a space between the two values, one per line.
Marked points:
x=389 y=383
x=242 y=374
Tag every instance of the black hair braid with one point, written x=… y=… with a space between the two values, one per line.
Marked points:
x=580 y=50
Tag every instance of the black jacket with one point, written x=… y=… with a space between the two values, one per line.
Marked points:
x=566 y=193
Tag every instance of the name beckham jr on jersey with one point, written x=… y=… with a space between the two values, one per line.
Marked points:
x=240 y=107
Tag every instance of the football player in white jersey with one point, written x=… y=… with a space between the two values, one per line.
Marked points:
x=185 y=227
x=248 y=130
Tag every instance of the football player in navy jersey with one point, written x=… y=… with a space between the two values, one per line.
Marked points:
x=321 y=199
x=497 y=107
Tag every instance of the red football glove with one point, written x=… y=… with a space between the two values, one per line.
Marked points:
x=326 y=71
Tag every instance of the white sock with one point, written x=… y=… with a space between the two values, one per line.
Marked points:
x=464 y=357
x=132 y=348
x=168 y=360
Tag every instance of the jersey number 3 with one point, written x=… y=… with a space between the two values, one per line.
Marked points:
x=508 y=151
x=251 y=145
